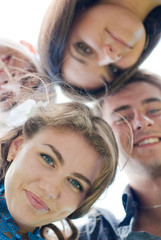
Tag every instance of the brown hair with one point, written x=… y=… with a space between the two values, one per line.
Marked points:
x=140 y=76
x=80 y=118
x=54 y=35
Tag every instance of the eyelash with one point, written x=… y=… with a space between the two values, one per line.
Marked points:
x=154 y=111
x=76 y=184
x=73 y=182
x=82 y=47
x=125 y=119
x=47 y=158
x=116 y=71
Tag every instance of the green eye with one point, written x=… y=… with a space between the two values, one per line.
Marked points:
x=76 y=184
x=47 y=159
x=83 y=48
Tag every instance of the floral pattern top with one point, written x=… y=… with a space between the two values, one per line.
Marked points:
x=7 y=224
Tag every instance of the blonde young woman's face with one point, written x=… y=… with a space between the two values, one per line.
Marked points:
x=103 y=40
x=49 y=177
x=12 y=65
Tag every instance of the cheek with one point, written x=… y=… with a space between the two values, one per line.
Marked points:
x=124 y=138
x=70 y=199
x=14 y=176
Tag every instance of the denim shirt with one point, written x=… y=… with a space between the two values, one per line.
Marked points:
x=103 y=225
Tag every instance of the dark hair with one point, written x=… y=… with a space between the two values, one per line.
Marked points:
x=152 y=24
x=140 y=76
x=53 y=38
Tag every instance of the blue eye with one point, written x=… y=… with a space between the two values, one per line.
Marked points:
x=153 y=111
x=76 y=184
x=47 y=159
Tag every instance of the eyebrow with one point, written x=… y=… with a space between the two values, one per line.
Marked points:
x=61 y=160
x=149 y=100
x=124 y=107
x=78 y=175
x=55 y=151
x=145 y=101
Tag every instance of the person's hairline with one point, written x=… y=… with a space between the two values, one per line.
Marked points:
x=123 y=87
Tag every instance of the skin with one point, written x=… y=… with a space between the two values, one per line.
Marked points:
x=61 y=183
x=135 y=116
x=12 y=65
x=140 y=104
x=95 y=43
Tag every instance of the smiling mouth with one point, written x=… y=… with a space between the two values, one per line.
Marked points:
x=148 y=141
x=36 y=202
x=119 y=40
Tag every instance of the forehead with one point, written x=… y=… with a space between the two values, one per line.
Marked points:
x=82 y=157
x=54 y=135
x=132 y=95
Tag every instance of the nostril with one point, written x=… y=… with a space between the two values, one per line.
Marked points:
x=139 y=127
x=112 y=52
x=108 y=48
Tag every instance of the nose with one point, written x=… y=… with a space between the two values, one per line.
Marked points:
x=50 y=187
x=109 y=55
x=141 y=122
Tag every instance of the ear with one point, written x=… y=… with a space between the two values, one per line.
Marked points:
x=15 y=147
x=29 y=46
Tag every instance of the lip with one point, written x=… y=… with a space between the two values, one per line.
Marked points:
x=147 y=141
x=117 y=39
x=36 y=202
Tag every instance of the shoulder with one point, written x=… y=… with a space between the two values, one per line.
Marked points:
x=101 y=225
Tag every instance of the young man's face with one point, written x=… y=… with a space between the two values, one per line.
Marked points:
x=135 y=116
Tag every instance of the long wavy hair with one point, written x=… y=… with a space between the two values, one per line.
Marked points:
x=79 y=118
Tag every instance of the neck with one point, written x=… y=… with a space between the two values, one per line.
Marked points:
x=140 y=8
x=23 y=230
x=147 y=190
x=149 y=195
x=23 y=235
